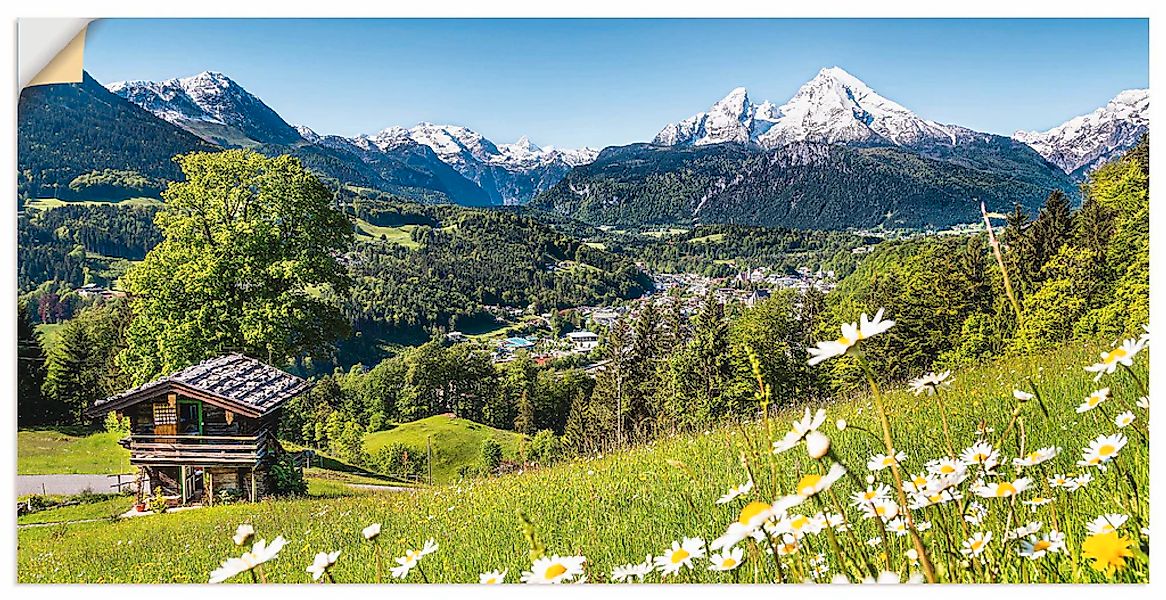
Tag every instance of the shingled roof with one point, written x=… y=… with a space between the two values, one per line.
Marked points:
x=245 y=385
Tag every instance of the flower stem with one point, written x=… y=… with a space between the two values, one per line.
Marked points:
x=924 y=559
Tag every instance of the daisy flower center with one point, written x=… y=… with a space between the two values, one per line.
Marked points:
x=752 y=510
x=1041 y=546
x=554 y=571
x=729 y=562
x=680 y=555
x=808 y=483
x=947 y=469
x=1005 y=489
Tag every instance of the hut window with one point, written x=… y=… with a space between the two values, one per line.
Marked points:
x=165 y=414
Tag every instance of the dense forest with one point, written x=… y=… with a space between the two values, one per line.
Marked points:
x=803 y=185
x=76 y=243
x=463 y=260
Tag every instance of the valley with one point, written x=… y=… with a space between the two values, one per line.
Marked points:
x=530 y=352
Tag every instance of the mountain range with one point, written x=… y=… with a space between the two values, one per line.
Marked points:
x=215 y=108
x=834 y=134
x=1083 y=143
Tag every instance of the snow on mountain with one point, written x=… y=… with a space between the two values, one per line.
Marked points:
x=833 y=107
x=1082 y=143
x=211 y=106
x=732 y=119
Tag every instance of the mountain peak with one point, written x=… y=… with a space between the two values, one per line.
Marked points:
x=833 y=107
x=1084 y=142
x=525 y=143
x=211 y=106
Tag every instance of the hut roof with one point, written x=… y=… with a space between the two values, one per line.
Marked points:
x=248 y=386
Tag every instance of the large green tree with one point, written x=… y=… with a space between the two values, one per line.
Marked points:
x=249 y=242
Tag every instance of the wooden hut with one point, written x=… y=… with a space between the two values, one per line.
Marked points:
x=205 y=429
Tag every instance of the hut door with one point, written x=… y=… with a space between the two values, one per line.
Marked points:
x=166 y=416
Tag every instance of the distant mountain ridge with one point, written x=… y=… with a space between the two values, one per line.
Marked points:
x=217 y=109
x=1083 y=143
x=436 y=163
x=211 y=106
x=808 y=185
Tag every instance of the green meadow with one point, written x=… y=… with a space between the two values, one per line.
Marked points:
x=617 y=508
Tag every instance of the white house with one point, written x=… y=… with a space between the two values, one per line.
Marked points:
x=583 y=341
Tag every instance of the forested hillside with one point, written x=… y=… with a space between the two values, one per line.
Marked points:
x=807 y=186
x=82 y=141
x=459 y=260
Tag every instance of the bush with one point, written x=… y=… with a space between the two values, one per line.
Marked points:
x=117 y=425
x=399 y=460
x=491 y=455
x=287 y=479
x=545 y=447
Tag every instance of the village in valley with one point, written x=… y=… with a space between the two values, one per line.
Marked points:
x=579 y=331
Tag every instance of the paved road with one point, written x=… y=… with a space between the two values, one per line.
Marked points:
x=65 y=484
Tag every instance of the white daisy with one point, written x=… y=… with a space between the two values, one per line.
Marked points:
x=1036 y=457
x=260 y=553
x=1124 y=419
x=493 y=577
x=1106 y=523
x=1122 y=355
x=727 y=560
x=680 y=555
x=878 y=462
x=1101 y=450
x=1002 y=489
x=1093 y=400
x=852 y=333
x=735 y=492
x=975 y=545
x=1034 y=549
x=930 y=383
x=554 y=569
x=321 y=564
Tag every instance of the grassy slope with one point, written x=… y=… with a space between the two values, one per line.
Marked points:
x=102 y=509
x=50 y=203
x=47 y=451
x=456 y=442
x=401 y=235
x=614 y=509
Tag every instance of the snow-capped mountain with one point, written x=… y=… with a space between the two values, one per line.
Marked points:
x=510 y=173
x=732 y=119
x=1082 y=143
x=217 y=109
x=211 y=106
x=833 y=107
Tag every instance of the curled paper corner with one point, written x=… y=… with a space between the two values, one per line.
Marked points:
x=51 y=50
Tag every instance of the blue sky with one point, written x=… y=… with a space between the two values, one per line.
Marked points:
x=604 y=82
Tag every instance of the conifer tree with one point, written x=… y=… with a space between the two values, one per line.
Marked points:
x=30 y=371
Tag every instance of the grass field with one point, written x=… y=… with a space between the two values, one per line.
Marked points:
x=42 y=452
x=618 y=508
x=101 y=509
x=456 y=442
x=51 y=203
x=712 y=238
x=401 y=235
